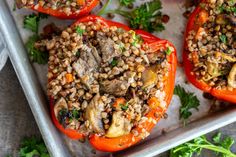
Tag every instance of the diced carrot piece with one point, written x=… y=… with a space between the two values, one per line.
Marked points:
x=69 y=78
x=200 y=33
x=128 y=116
x=119 y=101
x=203 y=17
x=81 y=2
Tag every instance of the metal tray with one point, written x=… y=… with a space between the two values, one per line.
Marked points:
x=56 y=142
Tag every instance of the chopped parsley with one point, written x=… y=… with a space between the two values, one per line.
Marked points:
x=79 y=30
x=114 y=62
x=230 y=9
x=188 y=101
x=137 y=39
x=168 y=51
x=75 y=113
x=124 y=106
x=223 y=39
x=77 y=53
x=35 y=54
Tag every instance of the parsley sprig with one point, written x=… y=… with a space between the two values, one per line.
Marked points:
x=219 y=145
x=31 y=22
x=147 y=16
x=33 y=146
x=188 y=101
x=35 y=54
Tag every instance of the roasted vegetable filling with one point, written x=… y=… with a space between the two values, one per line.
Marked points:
x=68 y=7
x=101 y=78
x=212 y=46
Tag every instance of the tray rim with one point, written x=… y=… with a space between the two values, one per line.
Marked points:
x=37 y=102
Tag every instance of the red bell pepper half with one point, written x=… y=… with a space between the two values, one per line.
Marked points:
x=103 y=143
x=84 y=10
x=195 y=21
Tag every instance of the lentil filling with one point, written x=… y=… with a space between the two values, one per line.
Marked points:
x=212 y=46
x=101 y=78
x=68 y=7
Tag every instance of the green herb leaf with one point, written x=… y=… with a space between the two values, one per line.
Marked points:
x=31 y=22
x=77 y=53
x=31 y=147
x=124 y=107
x=216 y=138
x=168 y=51
x=227 y=142
x=147 y=16
x=126 y=2
x=75 y=113
x=35 y=54
x=137 y=39
x=195 y=146
x=114 y=62
x=188 y=101
x=223 y=39
x=103 y=10
x=79 y=30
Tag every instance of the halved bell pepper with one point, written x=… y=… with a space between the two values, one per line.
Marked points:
x=84 y=10
x=103 y=143
x=119 y=143
x=196 y=20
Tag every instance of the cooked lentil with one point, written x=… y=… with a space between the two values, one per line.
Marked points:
x=68 y=7
x=105 y=63
x=212 y=48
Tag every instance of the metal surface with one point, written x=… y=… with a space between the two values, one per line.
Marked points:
x=37 y=100
x=30 y=84
x=3 y=52
x=181 y=135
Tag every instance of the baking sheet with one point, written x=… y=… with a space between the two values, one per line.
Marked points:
x=174 y=33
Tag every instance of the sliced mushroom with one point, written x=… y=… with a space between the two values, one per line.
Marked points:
x=95 y=54
x=120 y=126
x=114 y=87
x=93 y=114
x=212 y=68
x=60 y=104
x=149 y=78
x=232 y=77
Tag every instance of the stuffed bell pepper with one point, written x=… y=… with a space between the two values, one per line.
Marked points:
x=210 y=48
x=60 y=8
x=108 y=82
